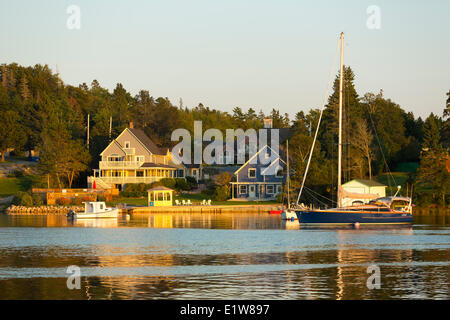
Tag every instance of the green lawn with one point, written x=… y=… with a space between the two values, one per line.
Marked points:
x=10 y=186
x=195 y=198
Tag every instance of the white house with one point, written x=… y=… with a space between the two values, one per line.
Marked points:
x=368 y=189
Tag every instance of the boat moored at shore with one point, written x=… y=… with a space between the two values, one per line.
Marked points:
x=94 y=210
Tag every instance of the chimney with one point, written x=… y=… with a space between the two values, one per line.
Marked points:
x=268 y=123
x=131 y=125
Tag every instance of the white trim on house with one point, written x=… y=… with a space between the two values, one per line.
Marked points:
x=257 y=153
x=113 y=141
x=243 y=186
x=273 y=162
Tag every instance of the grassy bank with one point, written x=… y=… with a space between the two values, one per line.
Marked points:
x=10 y=186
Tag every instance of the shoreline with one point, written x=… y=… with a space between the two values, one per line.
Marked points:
x=213 y=209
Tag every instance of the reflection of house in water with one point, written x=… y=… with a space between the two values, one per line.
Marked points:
x=131 y=286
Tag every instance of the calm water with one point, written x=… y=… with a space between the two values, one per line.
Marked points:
x=245 y=256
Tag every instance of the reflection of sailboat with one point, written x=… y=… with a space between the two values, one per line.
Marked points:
x=290 y=224
x=288 y=214
x=388 y=210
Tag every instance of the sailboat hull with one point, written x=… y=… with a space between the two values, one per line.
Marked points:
x=348 y=217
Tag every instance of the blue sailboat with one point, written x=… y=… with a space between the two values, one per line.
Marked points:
x=386 y=210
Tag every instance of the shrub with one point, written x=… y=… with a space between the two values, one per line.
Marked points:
x=23 y=199
x=17 y=198
x=101 y=198
x=26 y=200
x=221 y=193
x=18 y=173
x=192 y=182
x=181 y=184
x=131 y=194
x=77 y=201
x=131 y=187
x=37 y=200
x=168 y=182
x=86 y=198
x=141 y=187
x=63 y=201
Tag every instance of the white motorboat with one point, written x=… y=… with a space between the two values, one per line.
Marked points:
x=288 y=215
x=94 y=210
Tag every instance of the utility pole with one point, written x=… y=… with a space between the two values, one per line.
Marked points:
x=87 y=142
x=110 y=127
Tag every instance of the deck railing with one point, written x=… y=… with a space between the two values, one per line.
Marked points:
x=120 y=164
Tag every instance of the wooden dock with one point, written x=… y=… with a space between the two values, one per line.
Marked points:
x=204 y=209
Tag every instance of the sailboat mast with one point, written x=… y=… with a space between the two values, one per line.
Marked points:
x=341 y=85
x=288 y=175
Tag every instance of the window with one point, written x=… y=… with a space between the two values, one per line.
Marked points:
x=127 y=144
x=252 y=173
x=269 y=189
x=114 y=157
x=252 y=188
x=243 y=189
x=140 y=158
x=139 y=173
x=279 y=172
x=194 y=172
x=180 y=173
x=278 y=188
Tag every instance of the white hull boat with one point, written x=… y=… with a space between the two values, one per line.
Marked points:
x=95 y=210
x=288 y=215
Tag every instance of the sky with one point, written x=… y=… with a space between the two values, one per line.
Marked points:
x=260 y=54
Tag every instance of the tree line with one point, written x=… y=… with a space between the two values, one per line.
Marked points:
x=41 y=112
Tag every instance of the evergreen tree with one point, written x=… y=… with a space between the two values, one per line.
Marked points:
x=11 y=132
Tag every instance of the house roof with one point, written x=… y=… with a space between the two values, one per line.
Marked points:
x=147 y=142
x=369 y=183
x=256 y=154
x=159 y=188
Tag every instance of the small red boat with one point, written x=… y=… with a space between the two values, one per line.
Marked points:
x=275 y=211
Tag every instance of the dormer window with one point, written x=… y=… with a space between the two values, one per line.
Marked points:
x=279 y=172
x=252 y=173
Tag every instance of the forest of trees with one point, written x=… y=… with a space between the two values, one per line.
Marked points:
x=42 y=113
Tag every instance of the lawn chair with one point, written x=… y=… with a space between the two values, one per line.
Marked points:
x=204 y=202
x=189 y=203
x=183 y=202
x=209 y=202
x=177 y=203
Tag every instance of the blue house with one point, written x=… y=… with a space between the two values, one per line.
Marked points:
x=255 y=180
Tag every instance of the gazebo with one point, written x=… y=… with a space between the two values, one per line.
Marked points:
x=160 y=196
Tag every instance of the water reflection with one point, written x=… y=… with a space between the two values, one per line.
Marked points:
x=199 y=256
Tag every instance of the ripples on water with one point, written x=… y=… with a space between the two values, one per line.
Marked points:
x=245 y=256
